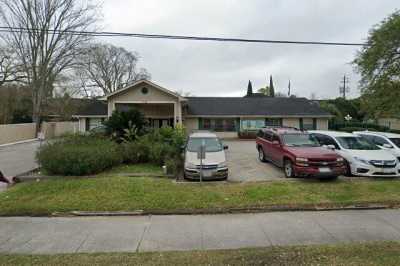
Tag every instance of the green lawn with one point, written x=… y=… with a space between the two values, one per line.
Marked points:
x=110 y=192
x=384 y=253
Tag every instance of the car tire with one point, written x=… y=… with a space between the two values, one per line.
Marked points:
x=348 y=169
x=261 y=155
x=288 y=169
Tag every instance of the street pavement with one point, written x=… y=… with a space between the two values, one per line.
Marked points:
x=18 y=158
x=194 y=232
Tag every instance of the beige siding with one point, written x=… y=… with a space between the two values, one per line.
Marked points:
x=291 y=122
x=191 y=124
x=16 y=132
x=322 y=124
x=135 y=94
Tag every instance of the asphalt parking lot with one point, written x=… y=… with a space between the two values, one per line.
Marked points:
x=244 y=166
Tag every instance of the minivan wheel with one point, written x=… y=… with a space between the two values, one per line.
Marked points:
x=261 y=155
x=288 y=168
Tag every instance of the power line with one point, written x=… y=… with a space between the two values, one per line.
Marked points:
x=4 y=29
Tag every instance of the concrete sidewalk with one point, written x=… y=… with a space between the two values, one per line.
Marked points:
x=161 y=233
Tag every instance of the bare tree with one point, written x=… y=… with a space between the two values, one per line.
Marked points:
x=10 y=69
x=40 y=33
x=110 y=68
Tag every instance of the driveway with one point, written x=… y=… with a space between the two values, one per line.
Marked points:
x=32 y=235
x=244 y=166
x=18 y=159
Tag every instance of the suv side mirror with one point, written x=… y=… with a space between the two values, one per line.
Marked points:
x=330 y=146
x=387 y=146
x=225 y=147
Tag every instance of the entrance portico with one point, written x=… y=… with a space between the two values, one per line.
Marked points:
x=160 y=106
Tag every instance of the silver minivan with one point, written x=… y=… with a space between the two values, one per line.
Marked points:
x=212 y=165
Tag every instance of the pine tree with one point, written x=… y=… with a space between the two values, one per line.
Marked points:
x=249 y=89
x=271 y=87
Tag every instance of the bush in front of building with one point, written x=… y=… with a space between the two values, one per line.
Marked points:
x=127 y=125
x=159 y=146
x=78 y=155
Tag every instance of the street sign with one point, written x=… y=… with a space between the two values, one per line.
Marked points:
x=201 y=155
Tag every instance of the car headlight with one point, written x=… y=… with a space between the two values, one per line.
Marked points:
x=222 y=165
x=361 y=160
x=300 y=161
x=190 y=165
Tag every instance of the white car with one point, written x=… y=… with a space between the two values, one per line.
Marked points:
x=213 y=166
x=386 y=141
x=363 y=158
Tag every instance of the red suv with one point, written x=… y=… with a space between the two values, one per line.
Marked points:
x=299 y=153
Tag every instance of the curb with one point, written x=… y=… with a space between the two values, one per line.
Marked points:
x=18 y=142
x=281 y=208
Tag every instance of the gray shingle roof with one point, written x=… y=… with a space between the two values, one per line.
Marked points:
x=262 y=106
x=93 y=107
x=231 y=106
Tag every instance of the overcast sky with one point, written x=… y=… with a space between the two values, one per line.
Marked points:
x=223 y=69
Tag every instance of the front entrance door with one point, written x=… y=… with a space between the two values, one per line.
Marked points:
x=159 y=123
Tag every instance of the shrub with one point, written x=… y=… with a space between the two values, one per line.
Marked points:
x=78 y=155
x=128 y=124
x=131 y=153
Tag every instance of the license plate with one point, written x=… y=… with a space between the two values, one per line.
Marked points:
x=387 y=170
x=207 y=173
x=324 y=170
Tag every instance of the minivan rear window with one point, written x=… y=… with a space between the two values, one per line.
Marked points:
x=211 y=144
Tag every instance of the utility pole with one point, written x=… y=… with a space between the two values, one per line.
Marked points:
x=344 y=88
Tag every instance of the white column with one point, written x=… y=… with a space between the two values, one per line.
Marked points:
x=175 y=114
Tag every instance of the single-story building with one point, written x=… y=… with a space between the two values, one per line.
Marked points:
x=225 y=115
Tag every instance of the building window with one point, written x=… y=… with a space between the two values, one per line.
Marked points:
x=94 y=122
x=273 y=122
x=145 y=90
x=309 y=124
x=220 y=124
x=252 y=124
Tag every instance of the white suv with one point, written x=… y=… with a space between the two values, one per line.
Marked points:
x=363 y=158
x=387 y=141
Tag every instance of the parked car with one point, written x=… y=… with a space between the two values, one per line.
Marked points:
x=362 y=158
x=214 y=165
x=386 y=141
x=298 y=153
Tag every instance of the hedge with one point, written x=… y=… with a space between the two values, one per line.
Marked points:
x=78 y=155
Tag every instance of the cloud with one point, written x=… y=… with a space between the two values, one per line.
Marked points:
x=223 y=69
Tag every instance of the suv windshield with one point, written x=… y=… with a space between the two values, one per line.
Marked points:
x=300 y=140
x=211 y=144
x=356 y=143
x=396 y=141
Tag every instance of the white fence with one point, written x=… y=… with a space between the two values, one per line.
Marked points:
x=19 y=132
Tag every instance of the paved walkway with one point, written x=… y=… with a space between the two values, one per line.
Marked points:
x=19 y=158
x=244 y=166
x=161 y=233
